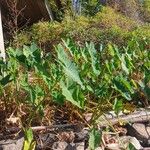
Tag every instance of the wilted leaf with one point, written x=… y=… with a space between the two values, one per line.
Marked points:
x=129 y=108
x=13 y=120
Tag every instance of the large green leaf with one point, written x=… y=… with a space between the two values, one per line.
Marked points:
x=111 y=50
x=72 y=94
x=27 y=52
x=123 y=65
x=69 y=68
x=126 y=63
x=62 y=55
x=71 y=71
x=5 y=80
x=94 y=60
x=123 y=86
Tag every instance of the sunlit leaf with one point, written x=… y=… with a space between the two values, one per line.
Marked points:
x=68 y=93
x=118 y=105
x=94 y=61
x=29 y=144
x=94 y=139
x=123 y=86
x=70 y=69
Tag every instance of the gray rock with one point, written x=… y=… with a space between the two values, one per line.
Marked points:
x=60 y=146
x=12 y=144
x=139 y=131
x=148 y=133
x=80 y=146
x=45 y=141
x=142 y=129
x=71 y=146
x=68 y=146
x=99 y=148
x=125 y=140
x=113 y=146
x=81 y=136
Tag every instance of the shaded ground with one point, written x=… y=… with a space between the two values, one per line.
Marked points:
x=67 y=135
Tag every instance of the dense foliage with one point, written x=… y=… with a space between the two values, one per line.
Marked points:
x=107 y=26
x=105 y=76
x=90 y=58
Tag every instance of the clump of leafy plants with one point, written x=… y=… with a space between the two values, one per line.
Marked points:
x=80 y=75
x=92 y=78
x=146 y=10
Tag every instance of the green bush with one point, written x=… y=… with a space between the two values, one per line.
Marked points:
x=108 y=18
x=146 y=10
x=107 y=26
x=114 y=26
x=24 y=37
x=142 y=32
x=115 y=35
x=44 y=32
x=76 y=75
x=76 y=29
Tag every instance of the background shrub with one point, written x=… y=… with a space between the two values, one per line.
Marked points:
x=146 y=10
x=142 y=32
x=107 y=26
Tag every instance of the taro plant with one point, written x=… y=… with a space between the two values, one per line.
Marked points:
x=81 y=75
x=108 y=76
x=70 y=83
x=93 y=79
x=27 y=72
x=103 y=75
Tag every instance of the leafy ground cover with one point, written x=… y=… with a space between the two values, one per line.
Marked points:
x=55 y=92
x=35 y=85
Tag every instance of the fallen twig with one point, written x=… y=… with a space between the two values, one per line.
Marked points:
x=39 y=128
x=104 y=120
x=138 y=116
